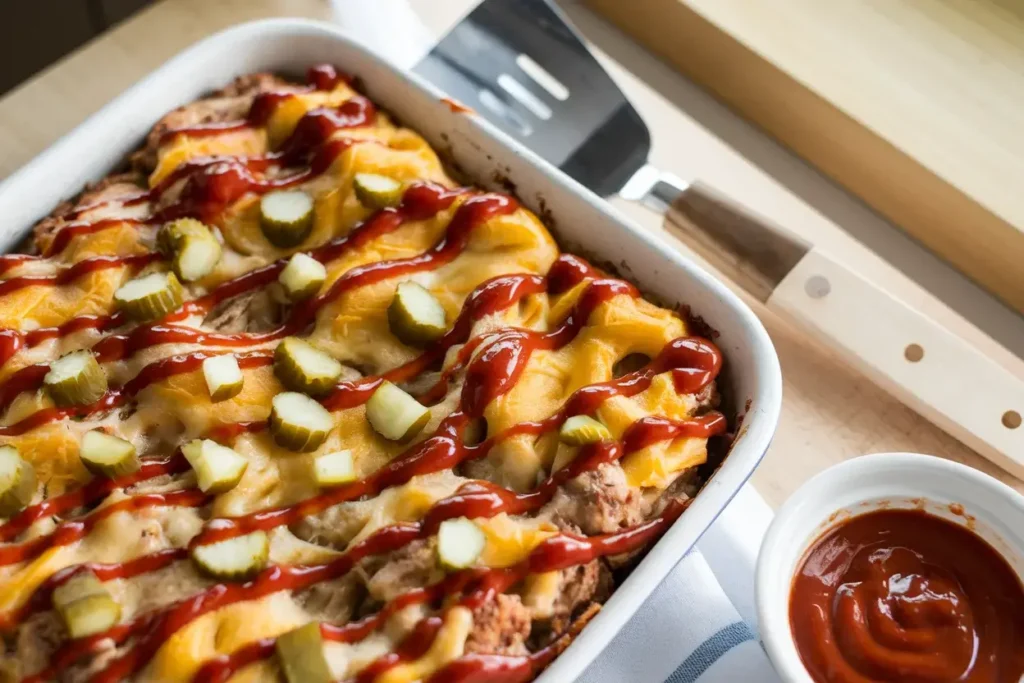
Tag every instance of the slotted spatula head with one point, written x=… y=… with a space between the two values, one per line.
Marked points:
x=522 y=65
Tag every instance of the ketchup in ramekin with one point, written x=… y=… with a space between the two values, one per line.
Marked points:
x=903 y=595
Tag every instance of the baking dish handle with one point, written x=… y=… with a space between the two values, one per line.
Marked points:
x=918 y=361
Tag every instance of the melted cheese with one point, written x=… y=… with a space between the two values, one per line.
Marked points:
x=449 y=644
x=221 y=632
x=510 y=540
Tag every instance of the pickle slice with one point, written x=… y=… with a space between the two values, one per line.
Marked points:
x=582 y=429
x=302 y=367
x=75 y=379
x=334 y=469
x=302 y=277
x=107 y=455
x=286 y=217
x=300 y=653
x=191 y=246
x=218 y=468
x=85 y=605
x=224 y=378
x=415 y=316
x=459 y=543
x=17 y=481
x=234 y=559
x=299 y=423
x=376 y=191
x=394 y=414
x=150 y=297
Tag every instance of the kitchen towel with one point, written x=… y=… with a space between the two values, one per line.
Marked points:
x=700 y=624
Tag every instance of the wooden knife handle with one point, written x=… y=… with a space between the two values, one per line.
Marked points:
x=915 y=359
x=747 y=248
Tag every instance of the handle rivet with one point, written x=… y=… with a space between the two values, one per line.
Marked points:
x=914 y=353
x=1011 y=419
x=817 y=286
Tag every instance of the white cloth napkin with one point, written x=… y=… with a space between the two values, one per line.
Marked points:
x=700 y=624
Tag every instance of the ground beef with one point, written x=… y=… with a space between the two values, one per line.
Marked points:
x=596 y=502
x=333 y=601
x=579 y=586
x=500 y=626
x=254 y=311
x=413 y=566
x=36 y=640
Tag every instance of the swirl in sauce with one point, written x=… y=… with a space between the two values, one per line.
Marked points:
x=904 y=595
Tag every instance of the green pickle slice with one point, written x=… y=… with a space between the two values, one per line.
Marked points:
x=191 y=246
x=376 y=191
x=300 y=652
x=299 y=423
x=415 y=316
x=394 y=414
x=286 y=217
x=218 y=468
x=85 y=605
x=302 y=367
x=108 y=456
x=17 y=481
x=459 y=542
x=302 y=277
x=234 y=559
x=75 y=379
x=582 y=429
x=223 y=377
x=150 y=297
x=334 y=469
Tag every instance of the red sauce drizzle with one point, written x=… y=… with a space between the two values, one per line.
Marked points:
x=40 y=599
x=62 y=238
x=154 y=372
x=69 y=532
x=322 y=77
x=97 y=489
x=457 y=107
x=72 y=273
x=10 y=261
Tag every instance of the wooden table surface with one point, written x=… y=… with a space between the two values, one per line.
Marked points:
x=830 y=413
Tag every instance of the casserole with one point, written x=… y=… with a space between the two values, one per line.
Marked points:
x=482 y=154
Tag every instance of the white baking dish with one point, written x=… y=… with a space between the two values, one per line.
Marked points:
x=578 y=218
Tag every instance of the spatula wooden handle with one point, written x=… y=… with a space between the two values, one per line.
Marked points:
x=924 y=365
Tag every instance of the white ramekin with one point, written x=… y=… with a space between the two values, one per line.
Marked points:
x=950 y=490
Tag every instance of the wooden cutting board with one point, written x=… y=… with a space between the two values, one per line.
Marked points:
x=916 y=106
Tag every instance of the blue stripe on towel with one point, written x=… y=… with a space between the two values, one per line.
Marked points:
x=710 y=651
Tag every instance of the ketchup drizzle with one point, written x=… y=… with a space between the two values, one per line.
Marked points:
x=72 y=273
x=70 y=532
x=41 y=598
x=96 y=489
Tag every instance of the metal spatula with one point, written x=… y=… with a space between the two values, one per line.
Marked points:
x=523 y=66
